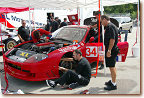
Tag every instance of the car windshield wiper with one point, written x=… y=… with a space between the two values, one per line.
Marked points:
x=62 y=39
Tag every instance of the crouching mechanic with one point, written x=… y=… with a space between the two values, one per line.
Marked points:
x=36 y=34
x=80 y=76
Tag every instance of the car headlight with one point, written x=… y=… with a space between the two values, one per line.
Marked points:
x=36 y=58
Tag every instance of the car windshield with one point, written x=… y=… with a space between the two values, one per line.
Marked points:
x=70 y=33
x=119 y=20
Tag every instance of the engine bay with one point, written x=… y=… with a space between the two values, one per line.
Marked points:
x=25 y=51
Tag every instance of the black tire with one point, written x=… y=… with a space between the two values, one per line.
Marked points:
x=10 y=43
x=65 y=64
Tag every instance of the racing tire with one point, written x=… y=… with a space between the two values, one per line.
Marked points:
x=10 y=43
x=65 y=64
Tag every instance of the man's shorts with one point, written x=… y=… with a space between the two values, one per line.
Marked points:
x=111 y=61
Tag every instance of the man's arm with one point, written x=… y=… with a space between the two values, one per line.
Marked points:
x=50 y=29
x=65 y=59
x=63 y=69
x=20 y=38
x=111 y=44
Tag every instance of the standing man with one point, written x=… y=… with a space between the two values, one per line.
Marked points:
x=96 y=14
x=80 y=76
x=58 y=20
x=54 y=25
x=111 y=50
x=23 y=33
x=64 y=23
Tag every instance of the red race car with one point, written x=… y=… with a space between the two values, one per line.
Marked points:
x=40 y=61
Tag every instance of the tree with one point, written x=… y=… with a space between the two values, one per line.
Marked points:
x=126 y=9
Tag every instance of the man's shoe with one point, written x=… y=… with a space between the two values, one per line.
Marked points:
x=73 y=85
x=50 y=83
x=109 y=83
x=101 y=67
x=112 y=87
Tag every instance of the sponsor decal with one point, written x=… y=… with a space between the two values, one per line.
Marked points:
x=91 y=51
x=93 y=20
x=66 y=49
x=24 y=54
x=15 y=19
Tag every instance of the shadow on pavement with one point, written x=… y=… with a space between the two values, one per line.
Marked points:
x=124 y=86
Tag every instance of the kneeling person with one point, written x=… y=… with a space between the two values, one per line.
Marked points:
x=80 y=76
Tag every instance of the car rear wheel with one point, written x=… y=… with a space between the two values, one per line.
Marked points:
x=10 y=43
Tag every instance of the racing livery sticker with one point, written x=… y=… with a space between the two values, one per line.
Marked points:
x=91 y=51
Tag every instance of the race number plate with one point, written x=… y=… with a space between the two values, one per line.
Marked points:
x=91 y=51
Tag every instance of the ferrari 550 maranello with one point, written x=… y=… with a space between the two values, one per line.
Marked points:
x=40 y=61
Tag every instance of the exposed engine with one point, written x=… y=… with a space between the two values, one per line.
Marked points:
x=25 y=51
x=46 y=48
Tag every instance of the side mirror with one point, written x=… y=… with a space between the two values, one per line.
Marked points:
x=91 y=40
x=75 y=41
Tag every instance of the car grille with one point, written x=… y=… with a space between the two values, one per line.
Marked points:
x=17 y=67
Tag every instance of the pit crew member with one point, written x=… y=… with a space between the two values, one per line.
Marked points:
x=36 y=34
x=111 y=50
x=80 y=76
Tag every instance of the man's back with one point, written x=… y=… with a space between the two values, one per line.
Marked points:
x=83 y=68
x=63 y=24
x=111 y=32
x=54 y=25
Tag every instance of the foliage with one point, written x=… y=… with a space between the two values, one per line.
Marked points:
x=126 y=9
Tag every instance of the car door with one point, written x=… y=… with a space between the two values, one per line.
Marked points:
x=90 y=51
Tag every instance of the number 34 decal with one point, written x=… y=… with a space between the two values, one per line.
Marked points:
x=91 y=51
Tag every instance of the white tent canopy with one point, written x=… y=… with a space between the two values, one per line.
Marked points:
x=61 y=4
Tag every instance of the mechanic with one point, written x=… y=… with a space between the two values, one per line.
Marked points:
x=64 y=23
x=111 y=50
x=96 y=14
x=80 y=76
x=23 y=33
x=36 y=34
